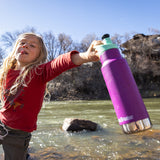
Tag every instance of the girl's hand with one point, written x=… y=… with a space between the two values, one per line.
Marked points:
x=91 y=55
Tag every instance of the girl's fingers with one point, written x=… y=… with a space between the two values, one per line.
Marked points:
x=97 y=42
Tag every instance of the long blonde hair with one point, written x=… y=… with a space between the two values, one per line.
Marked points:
x=10 y=62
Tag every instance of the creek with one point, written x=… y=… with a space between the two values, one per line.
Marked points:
x=49 y=141
x=108 y=142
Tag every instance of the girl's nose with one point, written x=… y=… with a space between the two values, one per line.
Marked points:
x=25 y=45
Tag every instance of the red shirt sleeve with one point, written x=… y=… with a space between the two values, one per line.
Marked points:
x=58 y=65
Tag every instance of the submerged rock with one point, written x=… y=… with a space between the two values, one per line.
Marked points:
x=155 y=134
x=139 y=152
x=71 y=124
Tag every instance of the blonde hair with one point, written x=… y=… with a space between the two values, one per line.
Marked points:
x=10 y=62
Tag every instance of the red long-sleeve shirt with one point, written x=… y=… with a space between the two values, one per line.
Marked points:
x=20 y=111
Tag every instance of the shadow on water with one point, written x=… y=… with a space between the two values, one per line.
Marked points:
x=108 y=142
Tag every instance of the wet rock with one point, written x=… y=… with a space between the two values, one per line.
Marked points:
x=51 y=153
x=47 y=154
x=155 y=134
x=71 y=124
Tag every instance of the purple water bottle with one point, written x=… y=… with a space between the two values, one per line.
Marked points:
x=128 y=104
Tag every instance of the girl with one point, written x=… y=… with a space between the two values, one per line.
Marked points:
x=23 y=78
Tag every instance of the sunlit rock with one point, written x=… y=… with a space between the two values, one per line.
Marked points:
x=71 y=124
x=142 y=52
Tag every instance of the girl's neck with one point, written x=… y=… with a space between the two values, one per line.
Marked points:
x=19 y=67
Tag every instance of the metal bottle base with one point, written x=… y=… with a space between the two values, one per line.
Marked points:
x=137 y=126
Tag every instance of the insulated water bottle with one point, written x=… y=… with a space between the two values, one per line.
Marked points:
x=128 y=104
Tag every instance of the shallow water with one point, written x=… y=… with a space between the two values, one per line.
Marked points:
x=108 y=142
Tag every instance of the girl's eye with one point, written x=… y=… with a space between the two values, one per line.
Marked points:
x=33 y=46
x=22 y=43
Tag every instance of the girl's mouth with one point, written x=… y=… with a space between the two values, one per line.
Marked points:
x=23 y=52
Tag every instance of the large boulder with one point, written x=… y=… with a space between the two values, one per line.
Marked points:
x=143 y=44
x=71 y=124
x=143 y=53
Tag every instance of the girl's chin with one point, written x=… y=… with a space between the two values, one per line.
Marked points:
x=21 y=60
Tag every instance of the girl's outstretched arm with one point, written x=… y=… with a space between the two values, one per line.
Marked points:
x=90 y=55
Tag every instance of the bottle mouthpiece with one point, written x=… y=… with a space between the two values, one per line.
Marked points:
x=107 y=44
x=105 y=36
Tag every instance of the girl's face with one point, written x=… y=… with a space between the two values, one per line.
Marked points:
x=28 y=50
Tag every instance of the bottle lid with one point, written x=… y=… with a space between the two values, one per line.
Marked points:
x=107 y=44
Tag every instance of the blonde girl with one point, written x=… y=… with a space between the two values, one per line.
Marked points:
x=23 y=78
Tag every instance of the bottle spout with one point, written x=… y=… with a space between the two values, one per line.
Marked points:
x=105 y=36
x=106 y=39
